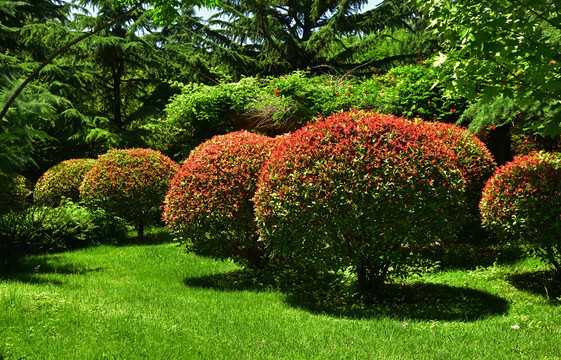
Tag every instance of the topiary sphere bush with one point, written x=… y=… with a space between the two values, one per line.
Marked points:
x=359 y=190
x=522 y=203
x=474 y=160
x=14 y=194
x=61 y=181
x=130 y=183
x=209 y=204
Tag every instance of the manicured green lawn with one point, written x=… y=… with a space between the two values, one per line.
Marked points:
x=156 y=302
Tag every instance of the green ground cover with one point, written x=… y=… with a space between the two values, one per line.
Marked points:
x=154 y=301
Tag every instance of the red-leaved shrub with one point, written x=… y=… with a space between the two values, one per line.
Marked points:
x=61 y=181
x=209 y=204
x=474 y=160
x=359 y=190
x=522 y=203
x=130 y=183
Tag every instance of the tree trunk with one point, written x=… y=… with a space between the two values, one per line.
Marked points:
x=141 y=229
x=118 y=72
x=500 y=141
x=371 y=278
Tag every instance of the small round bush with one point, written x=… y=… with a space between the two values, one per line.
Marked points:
x=130 y=183
x=209 y=203
x=474 y=160
x=522 y=203
x=359 y=190
x=61 y=181
x=14 y=193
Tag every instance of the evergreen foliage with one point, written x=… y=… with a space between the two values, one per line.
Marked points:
x=276 y=38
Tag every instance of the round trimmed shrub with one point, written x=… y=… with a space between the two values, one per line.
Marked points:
x=14 y=194
x=61 y=181
x=474 y=160
x=359 y=191
x=522 y=204
x=209 y=204
x=130 y=183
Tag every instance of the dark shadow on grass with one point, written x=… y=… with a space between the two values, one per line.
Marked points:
x=544 y=283
x=31 y=269
x=237 y=280
x=156 y=236
x=409 y=301
x=400 y=301
x=474 y=247
x=468 y=257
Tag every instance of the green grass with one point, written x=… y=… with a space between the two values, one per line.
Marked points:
x=154 y=301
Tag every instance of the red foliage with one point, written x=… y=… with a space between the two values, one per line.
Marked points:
x=61 y=181
x=130 y=183
x=357 y=189
x=474 y=160
x=522 y=203
x=209 y=202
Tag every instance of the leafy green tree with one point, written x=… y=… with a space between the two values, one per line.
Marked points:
x=506 y=56
x=20 y=55
x=18 y=130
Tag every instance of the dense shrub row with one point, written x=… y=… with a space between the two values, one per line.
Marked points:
x=202 y=111
x=82 y=202
x=40 y=229
x=356 y=192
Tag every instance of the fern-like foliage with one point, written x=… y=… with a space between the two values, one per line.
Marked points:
x=288 y=35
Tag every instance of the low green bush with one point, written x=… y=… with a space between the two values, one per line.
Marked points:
x=14 y=193
x=417 y=91
x=61 y=181
x=521 y=203
x=209 y=204
x=45 y=229
x=359 y=191
x=129 y=183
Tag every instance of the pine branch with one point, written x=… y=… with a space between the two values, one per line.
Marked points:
x=60 y=51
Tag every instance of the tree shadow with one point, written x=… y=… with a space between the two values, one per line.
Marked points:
x=409 y=301
x=32 y=269
x=468 y=257
x=546 y=283
x=401 y=301
x=155 y=236
x=237 y=280
x=474 y=247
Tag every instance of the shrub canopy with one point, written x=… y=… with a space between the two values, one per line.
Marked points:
x=359 y=190
x=209 y=203
x=130 y=183
x=474 y=160
x=522 y=203
x=61 y=181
